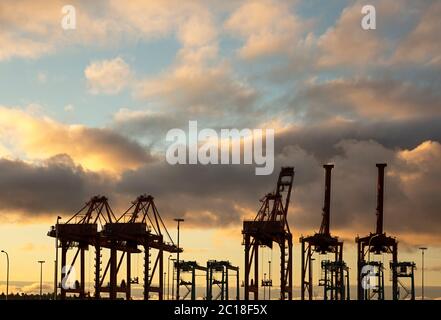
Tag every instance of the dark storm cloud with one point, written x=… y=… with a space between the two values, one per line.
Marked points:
x=321 y=139
x=215 y=195
x=411 y=201
x=120 y=148
x=151 y=127
x=182 y=189
x=145 y=125
x=353 y=123
x=56 y=186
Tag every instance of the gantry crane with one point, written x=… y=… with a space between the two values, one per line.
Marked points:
x=335 y=271
x=370 y=284
x=270 y=225
x=82 y=230
x=183 y=267
x=141 y=224
x=224 y=268
x=405 y=270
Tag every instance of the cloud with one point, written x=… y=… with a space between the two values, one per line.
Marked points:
x=221 y=196
x=309 y=52
x=107 y=76
x=268 y=27
x=197 y=89
x=30 y=17
x=321 y=137
x=347 y=43
x=419 y=174
x=202 y=203
x=34 y=137
x=30 y=30
x=55 y=186
x=199 y=82
x=147 y=126
x=410 y=206
x=152 y=19
x=422 y=44
x=397 y=113
x=23 y=48
x=366 y=98
x=69 y=108
x=354 y=118
x=25 y=28
x=198 y=29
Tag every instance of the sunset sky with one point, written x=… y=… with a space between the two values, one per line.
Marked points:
x=86 y=112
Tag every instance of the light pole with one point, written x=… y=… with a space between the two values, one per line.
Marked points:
x=56 y=260
x=269 y=278
x=41 y=277
x=422 y=270
x=164 y=279
x=178 y=220
x=312 y=268
x=173 y=280
x=168 y=277
x=7 y=273
x=264 y=288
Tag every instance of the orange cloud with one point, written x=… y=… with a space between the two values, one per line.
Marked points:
x=347 y=43
x=107 y=76
x=30 y=30
x=267 y=26
x=33 y=137
x=422 y=45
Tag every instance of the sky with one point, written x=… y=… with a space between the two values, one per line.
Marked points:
x=86 y=111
